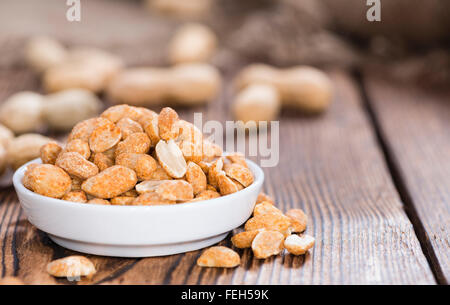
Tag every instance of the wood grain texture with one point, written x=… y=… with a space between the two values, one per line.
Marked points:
x=415 y=125
x=330 y=166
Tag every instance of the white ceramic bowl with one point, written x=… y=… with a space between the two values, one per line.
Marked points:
x=138 y=231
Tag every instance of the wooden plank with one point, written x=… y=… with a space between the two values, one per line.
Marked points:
x=330 y=166
x=415 y=124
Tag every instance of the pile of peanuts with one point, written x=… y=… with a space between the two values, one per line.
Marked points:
x=133 y=156
x=267 y=233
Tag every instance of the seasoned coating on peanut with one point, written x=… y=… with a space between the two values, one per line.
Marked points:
x=267 y=243
x=196 y=177
x=111 y=182
x=204 y=166
x=226 y=185
x=151 y=198
x=128 y=126
x=211 y=151
x=79 y=146
x=244 y=239
x=76 y=184
x=298 y=245
x=209 y=187
x=240 y=173
x=75 y=196
x=214 y=170
x=71 y=266
x=237 y=158
x=167 y=124
x=171 y=158
x=137 y=143
x=49 y=152
x=84 y=129
x=122 y=200
x=118 y=112
x=265 y=208
x=48 y=180
x=298 y=219
x=178 y=190
x=219 y=257
x=75 y=165
x=149 y=186
x=264 y=197
x=160 y=174
x=104 y=137
x=99 y=201
x=206 y=195
x=190 y=141
x=271 y=221
x=102 y=161
x=144 y=165
x=149 y=121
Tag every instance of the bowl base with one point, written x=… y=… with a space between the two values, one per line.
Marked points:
x=137 y=250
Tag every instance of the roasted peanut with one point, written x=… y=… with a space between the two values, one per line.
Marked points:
x=263 y=197
x=75 y=165
x=47 y=180
x=104 y=137
x=177 y=190
x=207 y=194
x=226 y=185
x=298 y=245
x=167 y=124
x=188 y=84
x=270 y=221
x=306 y=88
x=22 y=112
x=144 y=165
x=99 y=201
x=151 y=198
x=138 y=143
x=62 y=110
x=118 y=112
x=298 y=220
x=265 y=208
x=127 y=126
x=79 y=146
x=84 y=129
x=75 y=196
x=211 y=151
x=267 y=243
x=257 y=103
x=42 y=53
x=244 y=239
x=49 y=152
x=111 y=182
x=237 y=158
x=71 y=266
x=219 y=257
x=122 y=200
x=171 y=158
x=192 y=42
x=239 y=173
x=190 y=141
x=25 y=148
x=102 y=161
x=196 y=177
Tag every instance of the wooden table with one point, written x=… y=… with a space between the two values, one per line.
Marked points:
x=373 y=175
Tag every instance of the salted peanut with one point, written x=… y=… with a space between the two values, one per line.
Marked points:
x=128 y=126
x=118 y=112
x=22 y=112
x=84 y=129
x=237 y=158
x=196 y=177
x=190 y=141
x=178 y=190
x=148 y=186
x=209 y=187
x=211 y=151
x=244 y=239
x=144 y=165
x=25 y=148
x=111 y=182
x=306 y=88
x=226 y=185
x=151 y=198
x=71 y=266
x=214 y=171
x=219 y=256
x=43 y=52
x=262 y=197
x=74 y=164
x=137 y=143
x=47 y=180
x=171 y=158
x=167 y=124
x=160 y=174
x=298 y=220
x=207 y=194
x=99 y=201
x=102 y=161
x=79 y=146
x=298 y=245
x=122 y=200
x=240 y=173
x=271 y=221
x=267 y=243
x=11 y=280
x=204 y=166
x=192 y=42
x=75 y=196
x=62 y=110
x=76 y=184
x=27 y=175
x=130 y=193
x=104 y=137
x=49 y=152
x=265 y=208
x=149 y=121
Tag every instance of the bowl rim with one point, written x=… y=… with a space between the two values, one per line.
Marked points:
x=258 y=174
